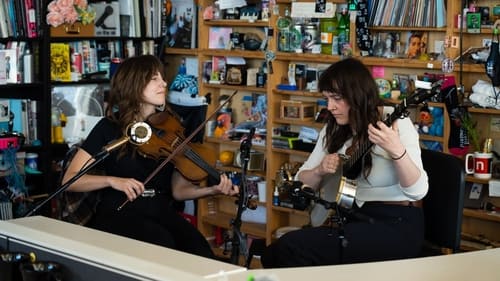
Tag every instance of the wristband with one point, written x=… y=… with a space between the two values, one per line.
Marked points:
x=401 y=156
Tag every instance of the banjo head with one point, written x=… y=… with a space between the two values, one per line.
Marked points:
x=328 y=192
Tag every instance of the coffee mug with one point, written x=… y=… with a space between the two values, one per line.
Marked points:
x=480 y=165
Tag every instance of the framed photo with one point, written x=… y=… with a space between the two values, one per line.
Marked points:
x=473 y=22
x=416 y=44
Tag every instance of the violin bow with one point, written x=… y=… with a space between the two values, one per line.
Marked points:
x=182 y=144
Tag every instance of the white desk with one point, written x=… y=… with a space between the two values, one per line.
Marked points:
x=478 y=266
x=144 y=261
x=138 y=260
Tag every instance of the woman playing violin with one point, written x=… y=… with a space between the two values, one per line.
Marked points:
x=385 y=221
x=137 y=91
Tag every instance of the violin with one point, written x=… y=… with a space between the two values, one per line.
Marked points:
x=168 y=143
x=192 y=160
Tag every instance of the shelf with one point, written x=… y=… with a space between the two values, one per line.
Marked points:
x=224 y=220
x=291 y=152
x=489 y=111
x=181 y=51
x=481 y=214
x=237 y=23
x=470 y=67
x=407 y=28
x=233 y=53
x=317 y=58
x=309 y=123
x=22 y=91
x=476 y=180
x=291 y=211
x=483 y=31
x=298 y=93
x=235 y=87
x=401 y=63
x=233 y=143
x=431 y=138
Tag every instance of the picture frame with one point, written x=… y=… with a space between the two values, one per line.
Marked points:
x=473 y=22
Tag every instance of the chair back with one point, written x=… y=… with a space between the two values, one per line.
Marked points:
x=443 y=204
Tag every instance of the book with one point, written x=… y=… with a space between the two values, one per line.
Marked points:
x=3 y=69
x=218 y=74
x=60 y=63
x=31 y=29
x=219 y=37
x=181 y=24
x=8 y=60
x=107 y=20
x=4 y=31
x=473 y=22
x=127 y=21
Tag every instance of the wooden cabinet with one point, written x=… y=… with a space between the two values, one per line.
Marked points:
x=216 y=214
x=481 y=227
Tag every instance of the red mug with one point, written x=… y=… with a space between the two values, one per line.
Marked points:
x=480 y=166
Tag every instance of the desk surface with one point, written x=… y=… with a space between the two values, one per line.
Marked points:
x=479 y=265
x=151 y=261
x=157 y=262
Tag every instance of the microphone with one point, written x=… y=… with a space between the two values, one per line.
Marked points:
x=137 y=133
x=306 y=191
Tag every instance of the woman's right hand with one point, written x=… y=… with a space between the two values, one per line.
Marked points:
x=130 y=186
x=329 y=164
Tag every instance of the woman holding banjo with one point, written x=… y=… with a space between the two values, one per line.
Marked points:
x=386 y=221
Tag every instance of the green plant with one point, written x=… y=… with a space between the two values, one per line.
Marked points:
x=470 y=126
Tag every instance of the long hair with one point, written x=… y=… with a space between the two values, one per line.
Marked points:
x=351 y=79
x=127 y=86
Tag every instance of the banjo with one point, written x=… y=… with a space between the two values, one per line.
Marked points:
x=340 y=187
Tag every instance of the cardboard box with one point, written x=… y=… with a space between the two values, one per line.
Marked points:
x=300 y=110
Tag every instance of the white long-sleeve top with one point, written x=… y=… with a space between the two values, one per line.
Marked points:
x=382 y=184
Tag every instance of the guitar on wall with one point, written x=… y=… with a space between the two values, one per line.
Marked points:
x=340 y=187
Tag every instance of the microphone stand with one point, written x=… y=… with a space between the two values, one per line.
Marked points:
x=336 y=218
x=238 y=239
x=98 y=159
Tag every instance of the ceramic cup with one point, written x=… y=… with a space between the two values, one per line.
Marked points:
x=479 y=164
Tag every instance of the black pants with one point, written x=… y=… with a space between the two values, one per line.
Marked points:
x=153 y=220
x=375 y=232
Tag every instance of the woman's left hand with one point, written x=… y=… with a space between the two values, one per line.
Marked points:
x=226 y=186
x=386 y=137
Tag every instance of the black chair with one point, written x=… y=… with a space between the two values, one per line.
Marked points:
x=443 y=204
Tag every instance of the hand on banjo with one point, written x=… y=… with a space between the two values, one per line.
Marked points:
x=329 y=164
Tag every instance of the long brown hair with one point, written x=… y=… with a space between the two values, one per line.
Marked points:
x=351 y=79
x=127 y=86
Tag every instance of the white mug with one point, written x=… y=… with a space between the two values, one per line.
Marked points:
x=480 y=166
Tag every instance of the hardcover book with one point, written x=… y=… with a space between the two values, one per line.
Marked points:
x=60 y=63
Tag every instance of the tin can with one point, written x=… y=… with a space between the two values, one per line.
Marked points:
x=76 y=59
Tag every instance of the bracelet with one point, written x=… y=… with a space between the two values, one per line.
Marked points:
x=397 y=158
